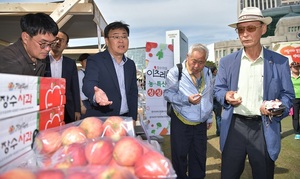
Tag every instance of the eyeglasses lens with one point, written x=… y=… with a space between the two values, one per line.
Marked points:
x=249 y=28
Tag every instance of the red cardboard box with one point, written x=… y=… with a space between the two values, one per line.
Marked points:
x=52 y=92
x=53 y=117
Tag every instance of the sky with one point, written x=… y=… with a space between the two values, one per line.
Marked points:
x=202 y=21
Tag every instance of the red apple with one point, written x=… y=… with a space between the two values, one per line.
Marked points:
x=79 y=175
x=114 y=173
x=113 y=163
x=114 y=127
x=153 y=165
x=73 y=134
x=69 y=156
x=18 y=173
x=127 y=151
x=50 y=174
x=44 y=161
x=47 y=142
x=92 y=127
x=99 y=152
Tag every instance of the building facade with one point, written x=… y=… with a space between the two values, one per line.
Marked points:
x=287 y=30
x=262 y=4
x=180 y=44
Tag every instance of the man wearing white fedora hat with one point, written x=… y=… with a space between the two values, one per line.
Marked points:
x=247 y=80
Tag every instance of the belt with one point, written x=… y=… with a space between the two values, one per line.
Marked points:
x=124 y=114
x=252 y=117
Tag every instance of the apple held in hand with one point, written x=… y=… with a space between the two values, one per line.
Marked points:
x=47 y=142
x=153 y=165
x=127 y=151
x=73 y=134
x=99 y=152
x=113 y=127
x=92 y=127
x=237 y=96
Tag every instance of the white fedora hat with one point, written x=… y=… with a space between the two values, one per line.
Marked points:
x=251 y=14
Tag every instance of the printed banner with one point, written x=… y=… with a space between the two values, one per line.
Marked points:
x=159 y=59
x=289 y=49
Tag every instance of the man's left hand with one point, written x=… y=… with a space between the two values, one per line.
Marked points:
x=77 y=116
x=209 y=125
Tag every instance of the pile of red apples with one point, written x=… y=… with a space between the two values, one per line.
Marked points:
x=96 y=149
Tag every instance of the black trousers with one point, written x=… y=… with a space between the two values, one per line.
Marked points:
x=88 y=107
x=188 y=149
x=246 y=137
x=296 y=107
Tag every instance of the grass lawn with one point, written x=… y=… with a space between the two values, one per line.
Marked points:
x=287 y=164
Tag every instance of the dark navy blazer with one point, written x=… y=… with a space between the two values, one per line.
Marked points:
x=69 y=72
x=100 y=72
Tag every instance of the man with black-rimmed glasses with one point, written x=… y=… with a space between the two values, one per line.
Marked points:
x=24 y=56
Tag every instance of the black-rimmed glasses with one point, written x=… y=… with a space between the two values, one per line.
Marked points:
x=46 y=44
x=121 y=37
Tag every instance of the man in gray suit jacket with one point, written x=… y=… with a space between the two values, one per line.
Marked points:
x=245 y=81
x=110 y=81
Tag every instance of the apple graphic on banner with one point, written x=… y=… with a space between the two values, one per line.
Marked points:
x=150 y=45
x=127 y=151
x=52 y=95
x=52 y=121
x=170 y=46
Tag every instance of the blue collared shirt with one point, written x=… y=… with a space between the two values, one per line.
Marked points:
x=121 y=80
x=178 y=92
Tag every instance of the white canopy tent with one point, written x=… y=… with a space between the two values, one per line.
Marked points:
x=78 y=18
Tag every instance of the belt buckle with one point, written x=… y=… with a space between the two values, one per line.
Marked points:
x=253 y=117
